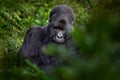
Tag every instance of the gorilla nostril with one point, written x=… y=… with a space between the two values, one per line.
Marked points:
x=59 y=36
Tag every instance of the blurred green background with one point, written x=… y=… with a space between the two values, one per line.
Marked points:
x=96 y=33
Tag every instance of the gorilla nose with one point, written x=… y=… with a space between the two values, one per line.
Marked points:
x=60 y=35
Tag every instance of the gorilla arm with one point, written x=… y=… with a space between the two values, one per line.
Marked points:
x=32 y=42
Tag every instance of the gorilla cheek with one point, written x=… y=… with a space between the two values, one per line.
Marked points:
x=69 y=28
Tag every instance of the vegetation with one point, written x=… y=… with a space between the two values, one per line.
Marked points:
x=96 y=33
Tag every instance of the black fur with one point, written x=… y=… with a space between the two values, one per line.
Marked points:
x=37 y=37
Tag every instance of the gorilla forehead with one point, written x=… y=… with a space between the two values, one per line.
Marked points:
x=62 y=10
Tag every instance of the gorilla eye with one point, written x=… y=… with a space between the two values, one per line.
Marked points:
x=55 y=27
x=59 y=28
x=54 y=15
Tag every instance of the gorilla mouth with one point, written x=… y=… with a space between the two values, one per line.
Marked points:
x=58 y=40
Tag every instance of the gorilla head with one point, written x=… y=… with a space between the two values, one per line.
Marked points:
x=60 y=23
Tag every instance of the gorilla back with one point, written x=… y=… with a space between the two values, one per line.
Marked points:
x=57 y=31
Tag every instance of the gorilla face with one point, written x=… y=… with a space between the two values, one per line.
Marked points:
x=60 y=23
x=58 y=31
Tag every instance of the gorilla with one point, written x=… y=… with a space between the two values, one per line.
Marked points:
x=57 y=31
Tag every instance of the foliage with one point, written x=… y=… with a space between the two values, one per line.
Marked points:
x=96 y=33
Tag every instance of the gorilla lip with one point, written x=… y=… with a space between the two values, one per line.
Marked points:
x=60 y=39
